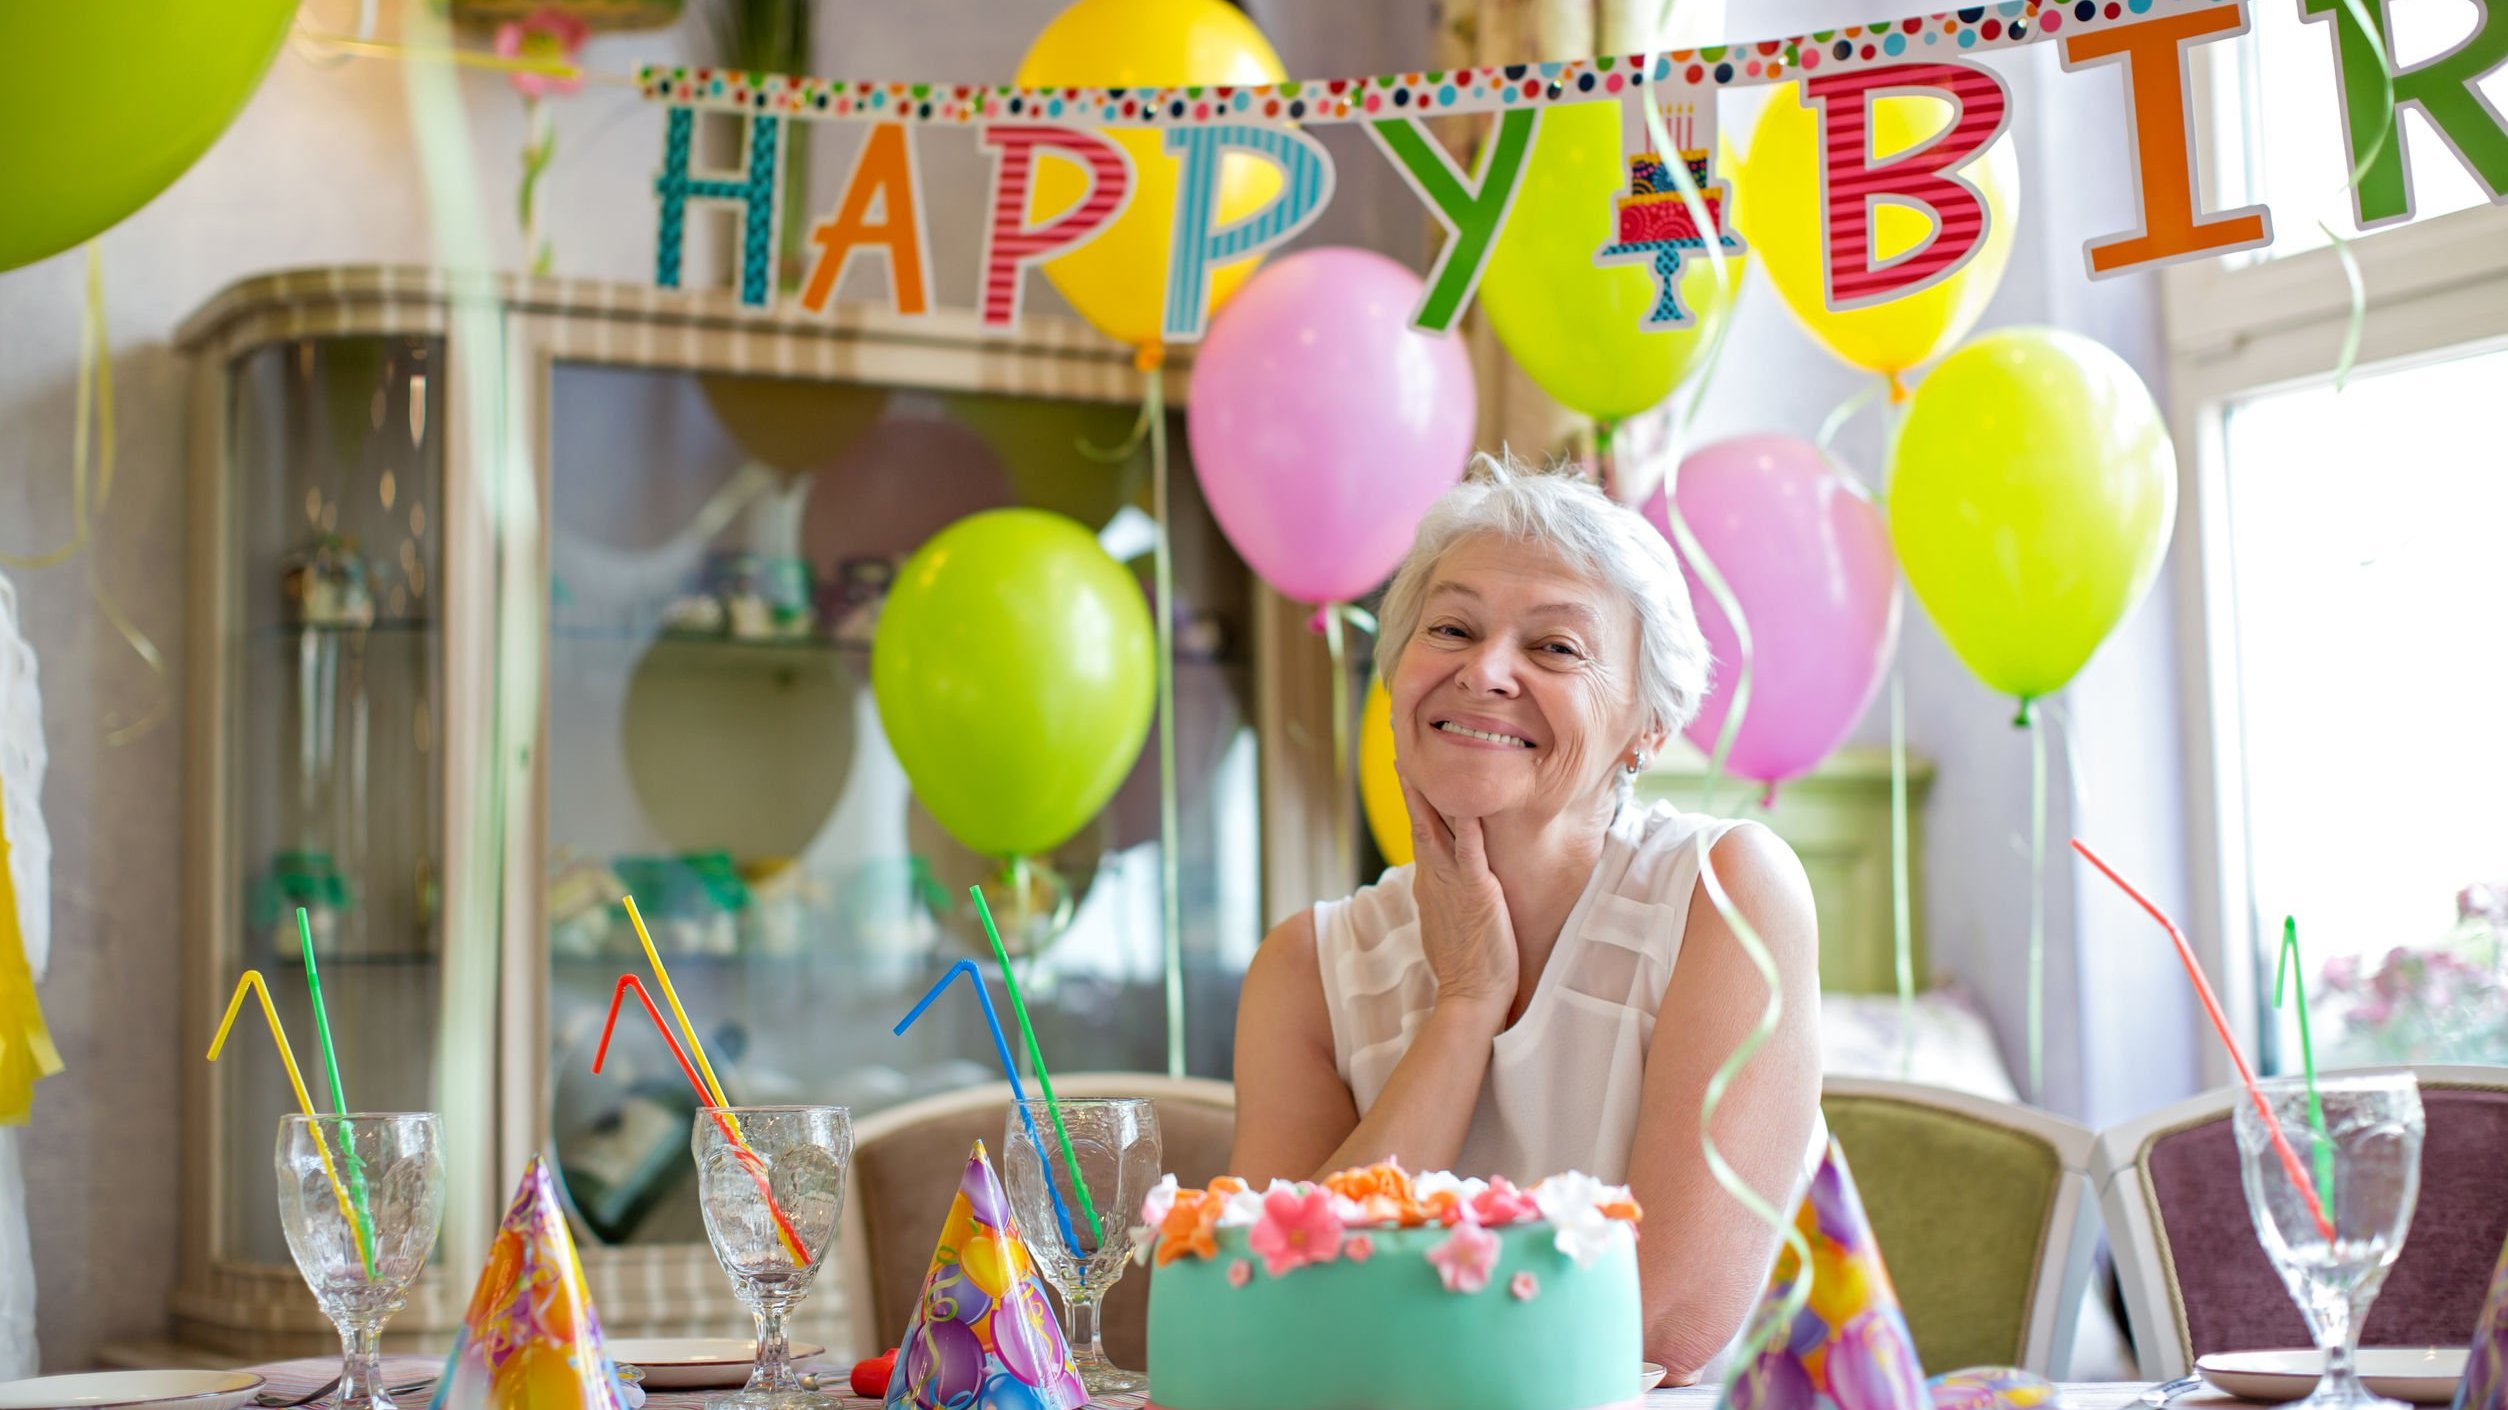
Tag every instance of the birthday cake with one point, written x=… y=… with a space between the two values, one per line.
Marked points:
x=1377 y=1290
x=1653 y=212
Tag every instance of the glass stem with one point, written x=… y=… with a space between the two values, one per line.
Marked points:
x=1080 y=1326
x=361 y=1366
x=774 y=1370
x=2339 y=1332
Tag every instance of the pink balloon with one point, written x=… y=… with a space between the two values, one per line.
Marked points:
x=1322 y=424
x=1808 y=558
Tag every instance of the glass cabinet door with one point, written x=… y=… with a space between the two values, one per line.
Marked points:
x=720 y=547
x=333 y=662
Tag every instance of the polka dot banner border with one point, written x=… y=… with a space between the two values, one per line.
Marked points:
x=1944 y=35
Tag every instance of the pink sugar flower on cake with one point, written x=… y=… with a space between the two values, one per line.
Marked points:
x=1524 y=1286
x=1297 y=1228
x=1502 y=1204
x=1358 y=1248
x=1466 y=1259
x=1240 y=1273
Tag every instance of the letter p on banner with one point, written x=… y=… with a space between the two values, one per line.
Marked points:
x=1925 y=176
x=1010 y=243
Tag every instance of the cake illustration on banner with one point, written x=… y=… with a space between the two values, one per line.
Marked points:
x=531 y=1340
x=1375 y=1287
x=1849 y=1345
x=983 y=1333
x=1659 y=226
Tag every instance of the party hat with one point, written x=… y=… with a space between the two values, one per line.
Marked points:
x=2485 y=1383
x=1849 y=1346
x=530 y=1340
x=982 y=1330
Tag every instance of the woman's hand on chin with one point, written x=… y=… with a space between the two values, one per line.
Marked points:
x=1464 y=929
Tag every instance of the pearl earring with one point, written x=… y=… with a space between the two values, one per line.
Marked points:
x=1637 y=763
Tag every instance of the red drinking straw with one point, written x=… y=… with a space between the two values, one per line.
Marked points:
x=2220 y=1024
x=748 y=1158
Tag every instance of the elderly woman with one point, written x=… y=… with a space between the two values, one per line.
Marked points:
x=1547 y=987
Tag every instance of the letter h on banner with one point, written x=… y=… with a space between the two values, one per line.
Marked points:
x=753 y=189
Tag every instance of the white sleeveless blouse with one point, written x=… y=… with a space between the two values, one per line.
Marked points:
x=1563 y=1081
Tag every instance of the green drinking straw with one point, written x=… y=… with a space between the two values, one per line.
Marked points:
x=339 y=1095
x=2288 y=971
x=1027 y=1034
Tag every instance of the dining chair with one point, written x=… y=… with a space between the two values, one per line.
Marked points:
x=1983 y=1215
x=2197 y=1281
x=906 y=1161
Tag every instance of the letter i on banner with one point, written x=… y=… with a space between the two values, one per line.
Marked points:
x=1011 y=244
x=1925 y=176
x=753 y=189
x=1305 y=185
x=886 y=174
x=2441 y=89
x=1473 y=209
x=2174 y=227
x=1657 y=223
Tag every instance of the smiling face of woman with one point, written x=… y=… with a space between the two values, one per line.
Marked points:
x=1518 y=690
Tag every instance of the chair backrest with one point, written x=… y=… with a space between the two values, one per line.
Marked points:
x=2196 y=1279
x=905 y=1172
x=1983 y=1217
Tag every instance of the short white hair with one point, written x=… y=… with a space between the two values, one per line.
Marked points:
x=1570 y=518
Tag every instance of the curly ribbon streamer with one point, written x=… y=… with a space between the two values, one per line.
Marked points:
x=1343 y=784
x=27 y=1055
x=1692 y=202
x=2037 y=910
x=91 y=486
x=539 y=150
x=1170 y=825
x=2359 y=16
x=1731 y=607
x=1902 y=920
x=304 y=1101
x=1798 y=1293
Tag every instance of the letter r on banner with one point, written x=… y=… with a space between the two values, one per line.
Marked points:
x=753 y=189
x=1010 y=243
x=2443 y=90
x=1305 y=185
x=1924 y=176
x=2153 y=53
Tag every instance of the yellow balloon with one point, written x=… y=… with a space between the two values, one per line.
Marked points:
x=1380 y=788
x=1118 y=280
x=2032 y=490
x=1576 y=327
x=1777 y=207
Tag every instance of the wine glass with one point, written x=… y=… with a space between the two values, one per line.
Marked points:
x=771 y=1181
x=2366 y=1167
x=1115 y=1143
x=389 y=1166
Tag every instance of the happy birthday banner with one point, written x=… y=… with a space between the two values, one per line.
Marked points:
x=1672 y=208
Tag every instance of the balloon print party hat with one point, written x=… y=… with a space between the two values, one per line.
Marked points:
x=530 y=1340
x=2485 y=1383
x=983 y=1333
x=1848 y=1348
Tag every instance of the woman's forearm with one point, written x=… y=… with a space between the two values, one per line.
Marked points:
x=1425 y=1109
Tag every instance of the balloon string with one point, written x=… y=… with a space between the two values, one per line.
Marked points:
x=1731 y=607
x=539 y=150
x=2037 y=912
x=1845 y=412
x=1341 y=781
x=1170 y=828
x=1902 y=923
x=1778 y=1319
x=2357 y=323
x=1726 y=276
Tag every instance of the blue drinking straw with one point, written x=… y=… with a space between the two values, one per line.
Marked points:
x=1018 y=1093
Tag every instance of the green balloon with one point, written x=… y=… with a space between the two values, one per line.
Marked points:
x=1014 y=669
x=107 y=103
x=1573 y=325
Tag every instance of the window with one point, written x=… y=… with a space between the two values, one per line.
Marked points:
x=2349 y=616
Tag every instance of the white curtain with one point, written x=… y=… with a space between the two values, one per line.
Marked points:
x=30 y=871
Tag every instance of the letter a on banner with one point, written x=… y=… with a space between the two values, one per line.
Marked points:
x=1472 y=209
x=2174 y=227
x=2441 y=89
x=753 y=189
x=1305 y=185
x=1011 y=244
x=1925 y=176
x=885 y=173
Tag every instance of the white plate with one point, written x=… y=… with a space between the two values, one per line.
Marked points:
x=134 y=1390
x=695 y=1363
x=1649 y=1375
x=2423 y=1375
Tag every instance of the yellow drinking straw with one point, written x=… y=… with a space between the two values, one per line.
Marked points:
x=713 y=1087
x=304 y=1100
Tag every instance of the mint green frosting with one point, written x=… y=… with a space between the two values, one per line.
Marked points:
x=1386 y=1335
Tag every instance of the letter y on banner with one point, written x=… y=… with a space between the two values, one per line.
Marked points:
x=1473 y=209
x=1925 y=176
x=1011 y=244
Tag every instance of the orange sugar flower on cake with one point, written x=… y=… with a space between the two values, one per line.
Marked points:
x=1624 y=1210
x=1386 y=1179
x=1191 y=1227
x=1224 y=1185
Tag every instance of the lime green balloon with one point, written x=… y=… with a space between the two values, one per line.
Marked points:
x=1573 y=325
x=2031 y=495
x=107 y=101
x=1015 y=672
